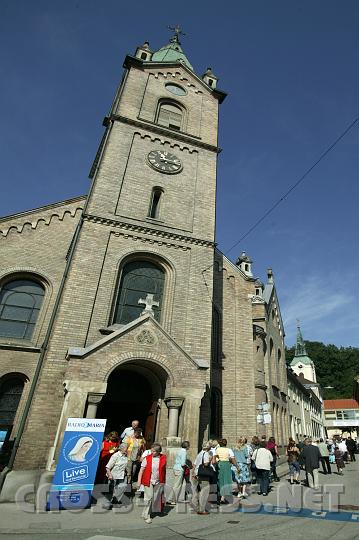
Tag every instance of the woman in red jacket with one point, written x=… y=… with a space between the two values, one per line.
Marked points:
x=109 y=446
x=153 y=477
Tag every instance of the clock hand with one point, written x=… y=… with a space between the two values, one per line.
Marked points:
x=171 y=161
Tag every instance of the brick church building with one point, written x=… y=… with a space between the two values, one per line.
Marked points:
x=118 y=305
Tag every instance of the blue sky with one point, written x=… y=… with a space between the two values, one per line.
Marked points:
x=291 y=71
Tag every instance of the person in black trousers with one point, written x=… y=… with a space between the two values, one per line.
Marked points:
x=351 y=445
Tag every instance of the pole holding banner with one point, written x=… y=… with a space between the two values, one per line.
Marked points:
x=77 y=464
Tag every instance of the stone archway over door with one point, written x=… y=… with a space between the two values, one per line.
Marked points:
x=134 y=391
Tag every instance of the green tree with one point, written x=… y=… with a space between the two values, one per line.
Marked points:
x=335 y=366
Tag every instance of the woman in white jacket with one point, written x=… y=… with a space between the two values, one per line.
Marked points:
x=262 y=459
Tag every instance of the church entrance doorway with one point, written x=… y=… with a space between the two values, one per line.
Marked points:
x=133 y=392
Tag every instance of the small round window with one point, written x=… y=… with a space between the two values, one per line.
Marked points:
x=176 y=90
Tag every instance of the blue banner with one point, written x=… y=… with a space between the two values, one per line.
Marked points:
x=77 y=464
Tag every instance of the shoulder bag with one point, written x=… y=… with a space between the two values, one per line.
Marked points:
x=206 y=472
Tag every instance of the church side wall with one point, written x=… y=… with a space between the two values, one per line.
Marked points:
x=70 y=330
x=40 y=252
x=277 y=379
x=237 y=373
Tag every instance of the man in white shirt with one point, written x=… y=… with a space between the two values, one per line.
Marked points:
x=342 y=445
x=129 y=431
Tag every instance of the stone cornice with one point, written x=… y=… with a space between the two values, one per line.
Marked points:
x=137 y=62
x=34 y=221
x=155 y=128
x=130 y=229
x=44 y=208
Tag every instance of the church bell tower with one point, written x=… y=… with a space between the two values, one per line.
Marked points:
x=156 y=165
x=133 y=331
x=154 y=181
x=146 y=249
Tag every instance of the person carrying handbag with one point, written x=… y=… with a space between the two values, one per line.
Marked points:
x=263 y=458
x=203 y=477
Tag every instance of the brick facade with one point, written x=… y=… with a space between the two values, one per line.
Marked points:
x=177 y=354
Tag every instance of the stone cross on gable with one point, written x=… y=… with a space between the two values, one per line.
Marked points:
x=149 y=302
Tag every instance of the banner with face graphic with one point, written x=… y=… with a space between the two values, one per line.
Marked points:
x=77 y=464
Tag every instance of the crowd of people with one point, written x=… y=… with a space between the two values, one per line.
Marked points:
x=309 y=454
x=218 y=472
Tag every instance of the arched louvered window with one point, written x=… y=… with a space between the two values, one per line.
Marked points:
x=154 y=210
x=170 y=115
x=20 y=304
x=216 y=413
x=10 y=394
x=138 y=279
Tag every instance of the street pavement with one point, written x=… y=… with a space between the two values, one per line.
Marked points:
x=288 y=511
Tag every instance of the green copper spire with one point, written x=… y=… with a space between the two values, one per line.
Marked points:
x=300 y=350
x=300 y=345
x=172 y=52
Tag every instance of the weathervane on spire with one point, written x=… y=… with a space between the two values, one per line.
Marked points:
x=178 y=31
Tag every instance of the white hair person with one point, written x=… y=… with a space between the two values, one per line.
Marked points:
x=79 y=451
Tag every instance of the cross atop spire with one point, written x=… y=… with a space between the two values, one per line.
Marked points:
x=177 y=32
x=172 y=52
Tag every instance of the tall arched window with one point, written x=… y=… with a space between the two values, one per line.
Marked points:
x=20 y=304
x=154 y=210
x=170 y=115
x=138 y=279
x=216 y=337
x=11 y=388
x=216 y=413
x=10 y=394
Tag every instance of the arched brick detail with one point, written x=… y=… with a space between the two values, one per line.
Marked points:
x=30 y=271
x=124 y=358
x=9 y=374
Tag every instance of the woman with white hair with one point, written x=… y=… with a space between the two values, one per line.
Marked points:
x=203 y=477
x=116 y=472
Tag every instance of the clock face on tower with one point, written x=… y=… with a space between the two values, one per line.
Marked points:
x=164 y=162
